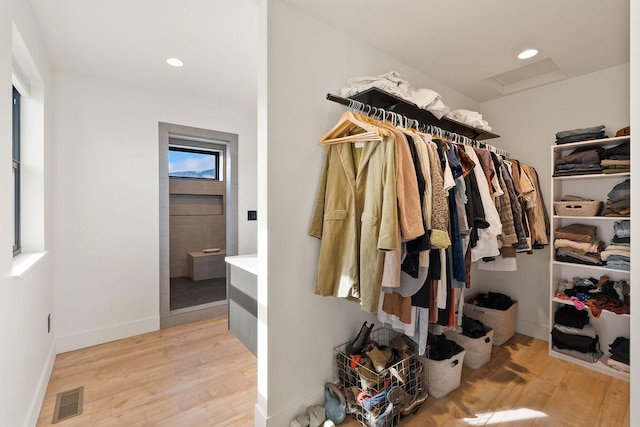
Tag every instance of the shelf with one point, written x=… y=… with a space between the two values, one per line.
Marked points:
x=600 y=365
x=594 y=142
x=594 y=175
x=579 y=218
x=380 y=99
x=591 y=267
x=595 y=186
x=569 y=302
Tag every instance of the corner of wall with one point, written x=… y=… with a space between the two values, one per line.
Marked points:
x=43 y=382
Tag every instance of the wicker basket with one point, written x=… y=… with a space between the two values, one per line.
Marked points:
x=578 y=208
x=503 y=322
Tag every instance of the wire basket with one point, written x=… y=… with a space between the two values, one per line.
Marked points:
x=380 y=397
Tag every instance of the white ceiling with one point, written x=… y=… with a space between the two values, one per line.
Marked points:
x=462 y=43
x=128 y=41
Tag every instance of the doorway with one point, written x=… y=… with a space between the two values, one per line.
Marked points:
x=198 y=221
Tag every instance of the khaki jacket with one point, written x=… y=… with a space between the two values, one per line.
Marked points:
x=356 y=216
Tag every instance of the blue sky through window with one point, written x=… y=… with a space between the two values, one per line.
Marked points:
x=192 y=164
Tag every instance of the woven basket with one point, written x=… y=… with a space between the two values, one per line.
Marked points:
x=577 y=208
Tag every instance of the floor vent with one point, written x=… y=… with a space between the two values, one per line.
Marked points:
x=68 y=404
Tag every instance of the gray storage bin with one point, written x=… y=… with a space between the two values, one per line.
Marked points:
x=503 y=322
x=445 y=375
x=478 y=349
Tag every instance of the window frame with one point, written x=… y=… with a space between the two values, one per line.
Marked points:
x=15 y=160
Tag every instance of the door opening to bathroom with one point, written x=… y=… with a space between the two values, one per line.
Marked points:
x=197 y=188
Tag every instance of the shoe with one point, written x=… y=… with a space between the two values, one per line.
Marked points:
x=316 y=415
x=300 y=421
x=360 y=342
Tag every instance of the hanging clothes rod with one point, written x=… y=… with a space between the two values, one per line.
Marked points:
x=373 y=111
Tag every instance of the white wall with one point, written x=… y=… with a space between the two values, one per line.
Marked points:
x=26 y=349
x=527 y=123
x=106 y=202
x=306 y=59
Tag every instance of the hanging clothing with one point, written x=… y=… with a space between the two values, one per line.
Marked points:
x=402 y=216
x=487 y=245
x=356 y=217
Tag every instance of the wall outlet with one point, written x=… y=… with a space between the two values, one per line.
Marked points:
x=252 y=215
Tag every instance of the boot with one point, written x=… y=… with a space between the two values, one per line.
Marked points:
x=360 y=342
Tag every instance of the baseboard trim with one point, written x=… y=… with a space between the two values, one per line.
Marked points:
x=532 y=329
x=91 y=337
x=43 y=382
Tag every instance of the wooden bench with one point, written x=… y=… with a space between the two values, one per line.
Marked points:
x=209 y=265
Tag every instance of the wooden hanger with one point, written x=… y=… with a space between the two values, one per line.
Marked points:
x=350 y=128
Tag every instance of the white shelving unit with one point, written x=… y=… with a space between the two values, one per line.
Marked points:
x=593 y=186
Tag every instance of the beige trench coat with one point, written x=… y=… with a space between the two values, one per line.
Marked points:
x=356 y=216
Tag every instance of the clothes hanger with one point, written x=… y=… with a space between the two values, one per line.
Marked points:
x=350 y=128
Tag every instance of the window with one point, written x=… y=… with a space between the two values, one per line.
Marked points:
x=194 y=163
x=16 y=171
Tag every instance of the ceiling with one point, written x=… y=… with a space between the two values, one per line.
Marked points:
x=469 y=45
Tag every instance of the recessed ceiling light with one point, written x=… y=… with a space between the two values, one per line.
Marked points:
x=175 y=62
x=526 y=54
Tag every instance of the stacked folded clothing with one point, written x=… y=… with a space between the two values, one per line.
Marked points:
x=619 y=200
x=573 y=335
x=578 y=243
x=583 y=160
x=585 y=134
x=618 y=255
x=619 y=354
x=617 y=159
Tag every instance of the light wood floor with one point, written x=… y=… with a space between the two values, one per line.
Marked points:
x=200 y=375
x=192 y=375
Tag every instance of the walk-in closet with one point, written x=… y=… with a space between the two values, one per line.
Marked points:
x=401 y=213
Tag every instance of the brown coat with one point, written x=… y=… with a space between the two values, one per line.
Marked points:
x=356 y=216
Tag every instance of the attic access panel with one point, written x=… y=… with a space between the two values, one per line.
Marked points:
x=380 y=99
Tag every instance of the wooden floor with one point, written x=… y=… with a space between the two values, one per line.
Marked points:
x=192 y=375
x=200 y=375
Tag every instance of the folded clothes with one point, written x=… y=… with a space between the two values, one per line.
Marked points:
x=578 y=233
x=620 y=213
x=579 y=343
x=616 y=169
x=580 y=157
x=588 y=330
x=619 y=157
x=620 y=191
x=622 y=228
x=569 y=255
x=620 y=347
x=578 y=171
x=587 y=357
x=619 y=265
x=580 y=131
x=584 y=247
x=620 y=149
x=620 y=366
x=621 y=240
x=611 y=162
x=568 y=315
x=619 y=205
x=575 y=166
x=577 y=138
x=615 y=254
